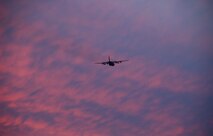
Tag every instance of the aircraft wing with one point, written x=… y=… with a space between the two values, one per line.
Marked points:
x=104 y=63
x=119 y=61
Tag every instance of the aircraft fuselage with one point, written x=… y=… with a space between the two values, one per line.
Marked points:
x=111 y=63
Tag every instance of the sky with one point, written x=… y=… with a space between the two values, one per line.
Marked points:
x=51 y=86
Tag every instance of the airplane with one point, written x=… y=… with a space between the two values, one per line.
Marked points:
x=111 y=63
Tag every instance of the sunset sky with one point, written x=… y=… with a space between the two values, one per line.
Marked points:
x=51 y=86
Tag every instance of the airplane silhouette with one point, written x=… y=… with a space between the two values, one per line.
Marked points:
x=111 y=63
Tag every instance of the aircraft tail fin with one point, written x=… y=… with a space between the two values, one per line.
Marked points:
x=109 y=58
